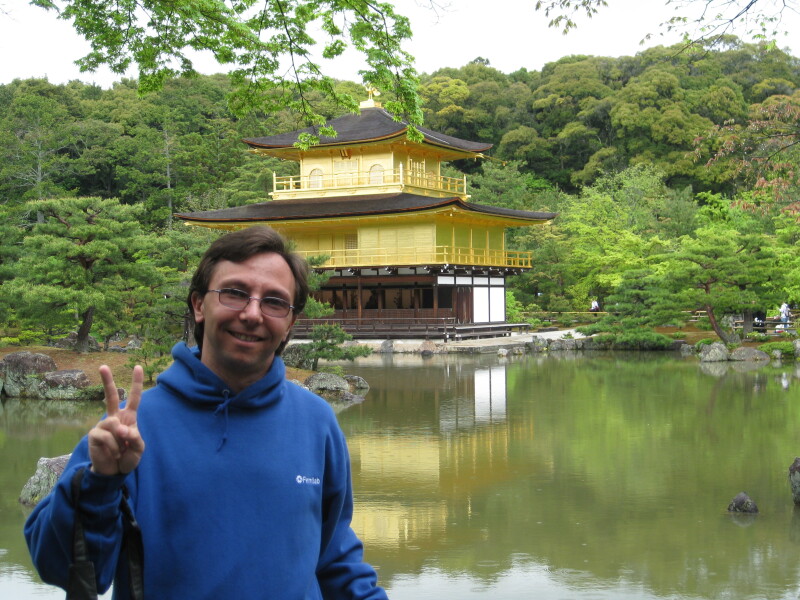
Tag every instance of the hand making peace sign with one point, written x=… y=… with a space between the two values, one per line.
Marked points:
x=115 y=444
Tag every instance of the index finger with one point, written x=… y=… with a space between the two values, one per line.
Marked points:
x=137 y=382
x=110 y=389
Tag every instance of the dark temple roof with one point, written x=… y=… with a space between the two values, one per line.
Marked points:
x=351 y=206
x=373 y=124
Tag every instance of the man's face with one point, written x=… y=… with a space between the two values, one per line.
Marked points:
x=239 y=345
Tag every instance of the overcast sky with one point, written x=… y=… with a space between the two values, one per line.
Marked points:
x=509 y=33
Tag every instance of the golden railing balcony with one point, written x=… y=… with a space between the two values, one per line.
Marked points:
x=431 y=256
x=382 y=180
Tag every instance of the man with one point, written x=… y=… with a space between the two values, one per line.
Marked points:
x=243 y=487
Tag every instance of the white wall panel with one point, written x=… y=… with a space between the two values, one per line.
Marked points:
x=497 y=302
x=480 y=306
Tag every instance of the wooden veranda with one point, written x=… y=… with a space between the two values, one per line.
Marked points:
x=407 y=324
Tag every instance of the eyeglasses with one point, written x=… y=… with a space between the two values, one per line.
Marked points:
x=238 y=300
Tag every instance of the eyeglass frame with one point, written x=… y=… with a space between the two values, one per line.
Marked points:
x=281 y=302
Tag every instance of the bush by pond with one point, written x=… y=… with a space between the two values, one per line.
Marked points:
x=633 y=340
x=785 y=348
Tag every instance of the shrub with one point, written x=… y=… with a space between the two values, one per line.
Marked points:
x=25 y=337
x=786 y=348
x=633 y=340
x=704 y=342
x=642 y=340
x=756 y=336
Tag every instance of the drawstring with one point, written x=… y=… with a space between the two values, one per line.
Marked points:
x=224 y=408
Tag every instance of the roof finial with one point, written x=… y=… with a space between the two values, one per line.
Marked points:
x=370 y=102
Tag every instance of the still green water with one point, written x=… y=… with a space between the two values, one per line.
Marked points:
x=554 y=477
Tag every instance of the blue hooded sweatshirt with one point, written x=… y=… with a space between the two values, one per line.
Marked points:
x=242 y=495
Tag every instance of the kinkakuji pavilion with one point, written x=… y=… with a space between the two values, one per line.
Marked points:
x=407 y=251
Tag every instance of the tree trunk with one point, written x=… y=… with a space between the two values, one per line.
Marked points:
x=715 y=324
x=747 y=322
x=82 y=341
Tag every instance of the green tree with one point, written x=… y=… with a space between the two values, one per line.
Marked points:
x=81 y=264
x=727 y=266
x=36 y=140
x=327 y=341
x=157 y=314
x=257 y=40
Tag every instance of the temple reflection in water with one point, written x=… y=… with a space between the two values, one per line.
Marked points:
x=433 y=461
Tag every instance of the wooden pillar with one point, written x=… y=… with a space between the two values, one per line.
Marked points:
x=358 y=296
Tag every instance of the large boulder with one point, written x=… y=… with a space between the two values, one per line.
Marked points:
x=20 y=373
x=336 y=390
x=68 y=384
x=749 y=354
x=716 y=352
x=537 y=344
x=358 y=385
x=327 y=385
x=562 y=345
x=48 y=470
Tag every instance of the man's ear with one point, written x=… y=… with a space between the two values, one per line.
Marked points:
x=288 y=335
x=197 y=306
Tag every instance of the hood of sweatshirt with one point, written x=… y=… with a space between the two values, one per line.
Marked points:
x=192 y=381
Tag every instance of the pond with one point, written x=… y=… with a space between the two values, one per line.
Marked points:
x=596 y=476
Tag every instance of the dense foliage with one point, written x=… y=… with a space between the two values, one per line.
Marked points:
x=270 y=47
x=673 y=173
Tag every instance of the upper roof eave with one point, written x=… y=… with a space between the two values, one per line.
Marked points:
x=372 y=124
x=352 y=206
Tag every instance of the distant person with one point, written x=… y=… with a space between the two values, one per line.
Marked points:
x=243 y=488
x=785 y=313
x=595 y=306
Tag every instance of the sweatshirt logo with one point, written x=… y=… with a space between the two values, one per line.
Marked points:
x=303 y=480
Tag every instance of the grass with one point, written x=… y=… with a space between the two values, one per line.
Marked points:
x=89 y=363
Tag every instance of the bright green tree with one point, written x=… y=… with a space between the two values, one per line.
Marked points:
x=268 y=46
x=83 y=263
x=727 y=266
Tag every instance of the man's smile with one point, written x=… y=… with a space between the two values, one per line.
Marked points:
x=246 y=338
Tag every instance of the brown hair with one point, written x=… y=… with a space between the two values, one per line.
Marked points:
x=238 y=247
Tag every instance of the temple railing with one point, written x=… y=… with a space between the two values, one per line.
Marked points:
x=368 y=181
x=424 y=256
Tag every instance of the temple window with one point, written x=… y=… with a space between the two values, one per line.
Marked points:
x=315 y=178
x=376 y=174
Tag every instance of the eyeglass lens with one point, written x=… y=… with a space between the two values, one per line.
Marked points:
x=238 y=300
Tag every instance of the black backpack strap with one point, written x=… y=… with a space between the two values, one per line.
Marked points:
x=134 y=547
x=82 y=582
